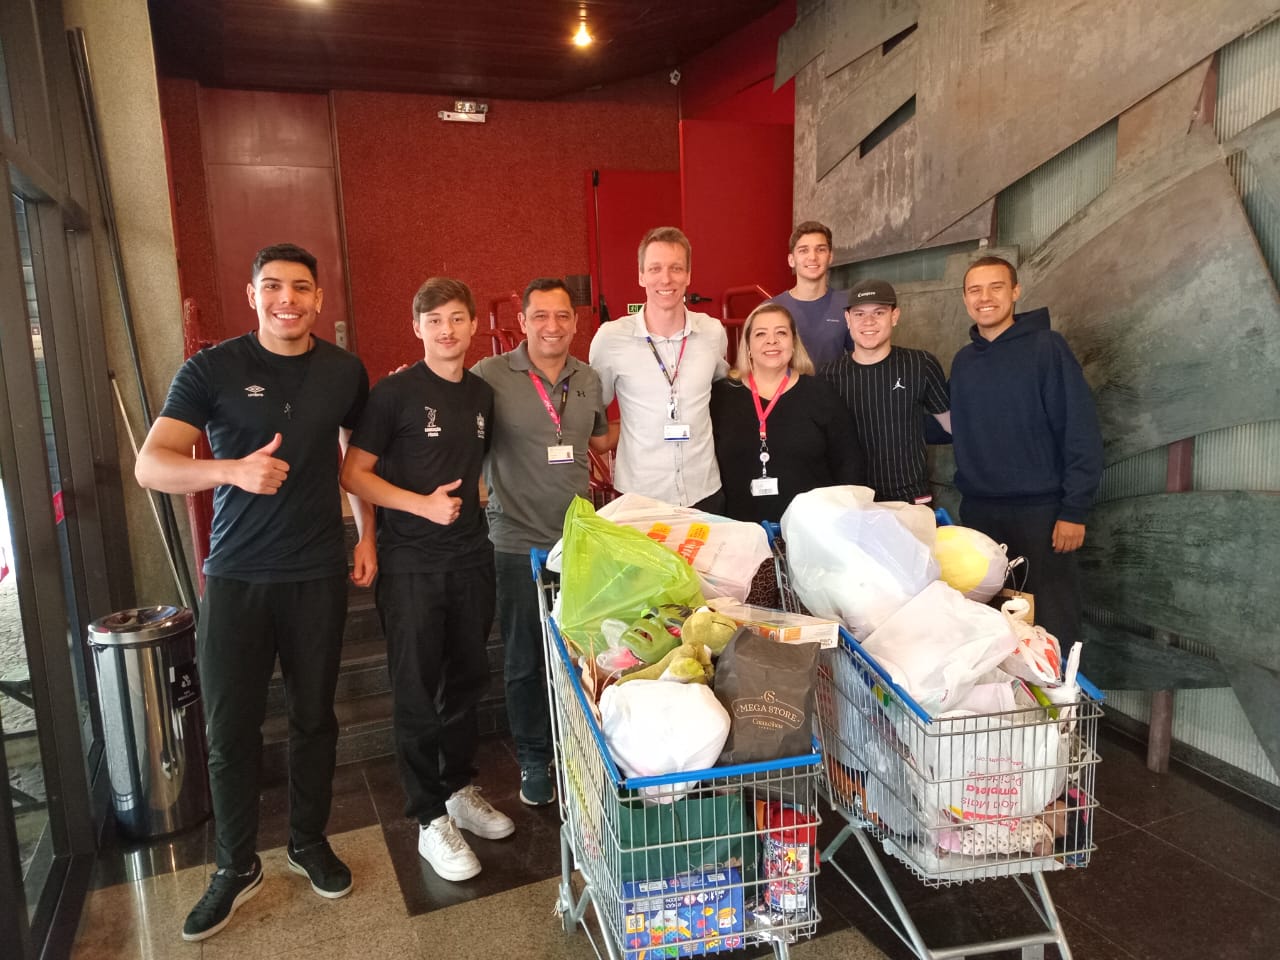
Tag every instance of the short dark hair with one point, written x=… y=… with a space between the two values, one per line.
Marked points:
x=992 y=261
x=438 y=291
x=809 y=226
x=542 y=285
x=672 y=235
x=290 y=252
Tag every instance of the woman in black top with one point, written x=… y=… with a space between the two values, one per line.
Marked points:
x=806 y=439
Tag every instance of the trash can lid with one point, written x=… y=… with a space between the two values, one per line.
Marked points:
x=140 y=625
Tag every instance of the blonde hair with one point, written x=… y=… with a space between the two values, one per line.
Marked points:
x=801 y=363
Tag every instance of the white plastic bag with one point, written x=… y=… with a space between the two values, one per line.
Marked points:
x=997 y=767
x=654 y=727
x=851 y=559
x=939 y=644
x=1038 y=657
x=724 y=553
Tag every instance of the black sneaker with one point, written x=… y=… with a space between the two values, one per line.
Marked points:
x=537 y=785
x=329 y=876
x=227 y=890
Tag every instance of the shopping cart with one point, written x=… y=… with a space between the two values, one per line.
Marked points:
x=956 y=800
x=684 y=865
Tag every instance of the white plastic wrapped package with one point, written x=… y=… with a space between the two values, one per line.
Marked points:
x=851 y=559
x=724 y=553
x=938 y=644
x=654 y=727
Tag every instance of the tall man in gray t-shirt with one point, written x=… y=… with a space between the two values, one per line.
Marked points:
x=548 y=409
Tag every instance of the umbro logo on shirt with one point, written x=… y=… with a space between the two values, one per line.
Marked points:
x=255 y=392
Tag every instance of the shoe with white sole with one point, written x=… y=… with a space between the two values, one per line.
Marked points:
x=227 y=890
x=442 y=846
x=473 y=812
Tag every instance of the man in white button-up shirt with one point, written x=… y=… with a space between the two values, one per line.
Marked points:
x=660 y=363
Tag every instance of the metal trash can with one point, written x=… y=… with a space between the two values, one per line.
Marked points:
x=152 y=719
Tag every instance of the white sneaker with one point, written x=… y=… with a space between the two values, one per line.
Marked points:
x=442 y=846
x=473 y=812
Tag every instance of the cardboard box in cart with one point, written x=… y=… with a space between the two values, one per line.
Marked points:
x=777 y=624
x=660 y=917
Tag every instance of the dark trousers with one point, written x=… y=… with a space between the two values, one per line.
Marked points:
x=243 y=627
x=524 y=668
x=1052 y=577
x=437 y=626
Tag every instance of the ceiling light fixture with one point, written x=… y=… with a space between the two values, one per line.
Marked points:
x=583 y=37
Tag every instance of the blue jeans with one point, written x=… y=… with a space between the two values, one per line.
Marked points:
x=524 y=668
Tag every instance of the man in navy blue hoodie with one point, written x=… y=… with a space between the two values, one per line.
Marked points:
x=1027 y=445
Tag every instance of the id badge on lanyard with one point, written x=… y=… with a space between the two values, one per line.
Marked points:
x=557 y=452
x=765 y=485
x=673 y=431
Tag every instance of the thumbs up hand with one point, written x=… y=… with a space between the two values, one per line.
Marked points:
x=261 y=471
x=439 y=507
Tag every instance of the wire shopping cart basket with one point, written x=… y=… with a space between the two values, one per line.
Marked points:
x=683 y=865
x=955 y=799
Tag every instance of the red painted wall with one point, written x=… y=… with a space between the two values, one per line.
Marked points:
x=494 y=204
x=268 y=167
x=193 y=233
x=736 y=161
x=733 y=80
x=737 y=205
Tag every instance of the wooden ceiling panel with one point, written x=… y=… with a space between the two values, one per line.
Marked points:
x=484 y=48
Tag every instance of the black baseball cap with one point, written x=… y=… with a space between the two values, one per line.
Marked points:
x=873 y=291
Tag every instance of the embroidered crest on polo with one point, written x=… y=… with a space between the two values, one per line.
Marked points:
x=431 y=429
x=255 y=392
x=480 y=426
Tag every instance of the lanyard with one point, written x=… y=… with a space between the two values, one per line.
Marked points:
x=763 y=414
x=672 y=412
x=546 y=401
x=675 y=372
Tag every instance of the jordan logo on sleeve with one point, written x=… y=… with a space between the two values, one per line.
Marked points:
x=897 y=385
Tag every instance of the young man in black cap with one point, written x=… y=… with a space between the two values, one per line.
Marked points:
x=888 y=390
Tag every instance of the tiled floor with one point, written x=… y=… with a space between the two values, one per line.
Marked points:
x=1185 y=869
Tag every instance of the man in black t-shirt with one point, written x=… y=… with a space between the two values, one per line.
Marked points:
x=417 y=454
x=277 y=405
x=889 y=390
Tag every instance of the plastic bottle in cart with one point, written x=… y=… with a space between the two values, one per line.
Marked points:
x=789 y=858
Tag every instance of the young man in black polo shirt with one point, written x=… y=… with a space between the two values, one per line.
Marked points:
x=417 y=454
x=888 y=390
x=277 y=404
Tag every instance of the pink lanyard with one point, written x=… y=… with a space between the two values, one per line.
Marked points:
x=546 y=400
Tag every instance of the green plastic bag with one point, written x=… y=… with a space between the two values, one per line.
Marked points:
x=610 y=570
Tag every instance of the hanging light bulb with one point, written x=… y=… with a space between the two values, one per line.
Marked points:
x=582 y=38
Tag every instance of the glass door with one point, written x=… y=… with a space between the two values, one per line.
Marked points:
x=28 y=795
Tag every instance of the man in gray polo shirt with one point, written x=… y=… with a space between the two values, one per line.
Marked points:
x=548 y=408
